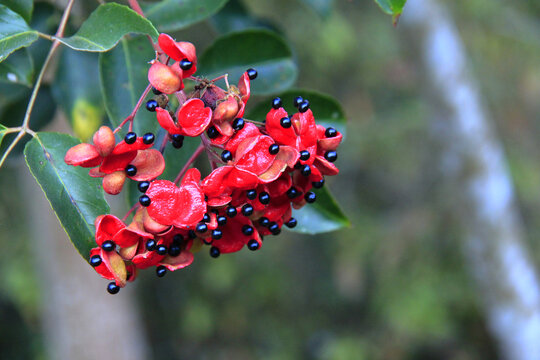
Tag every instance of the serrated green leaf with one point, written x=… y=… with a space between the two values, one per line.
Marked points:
x=76 y=90
x=392 y=7
x=21 y=7
x=76 y=198
x=321 y=7
x=326 y=109
x=106 y=26
x=172 y=15
x=124 y=76
x=263 y=50
x=14 y=32
x=322 y=216
x=18 y=68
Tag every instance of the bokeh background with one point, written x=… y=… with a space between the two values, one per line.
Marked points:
x=395 y=285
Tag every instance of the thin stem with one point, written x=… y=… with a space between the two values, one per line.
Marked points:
x=130 y=211
x=131 y=116
x=190 y=161
x=45 y=36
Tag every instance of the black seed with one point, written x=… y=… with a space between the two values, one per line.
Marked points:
x=143 y=186
x=151 y=245
x=201 y=227
x=161 y=250
x=310 y=197
x=276 y=103
x=318 y=184
x=175 y=250
x=95 y=260
x=252 y=74
x=206 y=218
x=330 y=155
x=108 y=245
x=298 y=165
x=112 y=288
x=226 y=156
x=178 y=144
x=291 y=223
x=156 y=91
x=304 y=106
x=231 y=211
x=273 y=149
x=151 y=105
x=131 y=170
x=247 y=210
x=285 y=122
x=264 y=198
x=297 y=101
x=238 y=124
x=144 y=200
x=217 y=234
x=185 y=64
x=192 y=234
x=304 y=155
x=221 y=220
x=274 y=228
x=330 y=132
x=306 y=170
x=214 y=252
x=178 y=239
x=212 y=132
x=130 y=138
x=253 y=245
x=264 y=221
x=251 y=194
x=247 y=230
x=161 y=271
x=292 y=192
x=148 y=138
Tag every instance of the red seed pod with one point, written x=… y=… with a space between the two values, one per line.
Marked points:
x=114 y=182
x=164 y=79
x=84 y=155
x=104 y=140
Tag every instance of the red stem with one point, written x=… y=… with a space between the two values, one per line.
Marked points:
x=131 y=116
x=130 y=211
x=190 y=161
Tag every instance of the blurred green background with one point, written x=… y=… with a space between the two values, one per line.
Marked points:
x=392 y=286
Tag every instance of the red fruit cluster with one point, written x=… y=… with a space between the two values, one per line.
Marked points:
x=260 y=171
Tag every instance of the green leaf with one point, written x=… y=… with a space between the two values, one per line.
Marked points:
x=327 y=111
x=76 y=198
x=21 y=7
x=172 y=15
x=263 y=50
x=322 y=216
x=18 y=69
x=235 y=17
x=106 y=26
x=321 y=7
x=2 y=132
x=392 y=7
x=124 y=76
x=14 y=32
x=76 y=90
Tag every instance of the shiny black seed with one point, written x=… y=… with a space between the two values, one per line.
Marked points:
x=178 y=144
x=264 y=198
x=221 y=220
x=162 y=249
x=143 y=186
x=330 y=132
x=148 y=138
x=206 y=218
x=144 y=200
x=231 y=211
x=174 y=250
x=214 y=252
x=130 y=138
x=177 y=137
x=273 y=149
x=252 y=74
x=151 y=105
x=264 y=221
x=305 y=170
x=276 y=103
x=226 y=156
x=297 y=101
x=201 y=227
x=292 y=193
x=291 y=223
x=112 y=288
x=330 y=155
x=192 y=234
x=251 y=194
x=95 y=260
x=156 y=91
x=253 y=245
x=247 y=210
x=161 y=271
x=304 y=155
x=318 y=184
x=310 y=197
x=212 y=132
x=285 y=122
x=274 y=228
x=131 y=170
x=178 y=239
x=185 y=64
x=108 y=245
x=217 y=234
x=151 y=245
x=304 y=106
x=247 y=230
x=238 y=124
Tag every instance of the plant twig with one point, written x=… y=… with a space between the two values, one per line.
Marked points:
x=190 y=161
x=131 y=116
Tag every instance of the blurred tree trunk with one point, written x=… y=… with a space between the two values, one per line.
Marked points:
x=80 y=319
x=473 y=165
